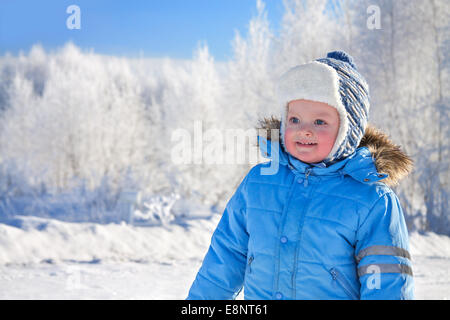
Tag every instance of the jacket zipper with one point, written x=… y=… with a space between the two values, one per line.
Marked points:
x=337 y=276
x=249 y=264
x=307 y=173
x=300 y=230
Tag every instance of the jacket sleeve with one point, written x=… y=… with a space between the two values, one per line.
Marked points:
x=221 y=275
x=382 y=252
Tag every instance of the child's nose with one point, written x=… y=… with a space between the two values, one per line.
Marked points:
x=306 y=130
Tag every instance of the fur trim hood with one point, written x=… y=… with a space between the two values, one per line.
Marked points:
x=388 y=157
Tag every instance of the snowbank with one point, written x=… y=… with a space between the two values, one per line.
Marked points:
x=429 y=244
x=33 y=240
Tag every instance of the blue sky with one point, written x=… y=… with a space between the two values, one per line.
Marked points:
x=154 y=28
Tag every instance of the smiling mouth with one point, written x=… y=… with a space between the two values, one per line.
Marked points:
x=306 y=144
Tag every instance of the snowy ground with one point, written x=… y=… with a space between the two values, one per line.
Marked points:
x=49 y=259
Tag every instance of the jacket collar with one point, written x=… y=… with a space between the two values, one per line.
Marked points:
x=360 y=165
x=389 y=159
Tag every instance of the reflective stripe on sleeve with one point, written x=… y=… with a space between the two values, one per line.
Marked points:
x=382 y=250
x=384 y=268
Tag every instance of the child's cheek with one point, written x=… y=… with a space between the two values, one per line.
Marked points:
x=325 y=136
x=288 y=139
x=288 y=134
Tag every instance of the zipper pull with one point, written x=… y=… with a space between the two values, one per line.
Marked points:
x=333 y=274
x=307 y=173
x=250 y=260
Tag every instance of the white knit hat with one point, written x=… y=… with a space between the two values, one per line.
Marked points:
x=334 y=81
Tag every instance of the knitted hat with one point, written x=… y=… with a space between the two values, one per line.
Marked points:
x=335 y=81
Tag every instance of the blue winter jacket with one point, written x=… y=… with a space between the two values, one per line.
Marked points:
x=296 y=231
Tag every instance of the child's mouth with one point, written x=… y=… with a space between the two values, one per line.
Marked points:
x=306 y=144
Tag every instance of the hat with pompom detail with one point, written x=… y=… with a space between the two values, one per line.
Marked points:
x=333 y=80
x=341 y=55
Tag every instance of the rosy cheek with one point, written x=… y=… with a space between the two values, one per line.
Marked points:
x=288 y=134
x=324 y=134
x=288 y=138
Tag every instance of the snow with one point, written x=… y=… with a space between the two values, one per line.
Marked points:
x=123 y=280
x=431 y=265
x=36 y=240
x=43 y=258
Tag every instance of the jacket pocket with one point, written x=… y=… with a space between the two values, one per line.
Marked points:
x=344 y=283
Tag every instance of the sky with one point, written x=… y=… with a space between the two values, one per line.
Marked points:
x=151 y=28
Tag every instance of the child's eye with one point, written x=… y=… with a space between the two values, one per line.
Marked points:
x=319 y=122
x=294 y=120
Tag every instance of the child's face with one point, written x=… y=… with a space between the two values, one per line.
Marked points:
x=310 y=122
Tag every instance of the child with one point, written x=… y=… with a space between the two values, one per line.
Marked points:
x=326 y=224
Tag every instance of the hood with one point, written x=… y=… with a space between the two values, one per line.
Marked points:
x=390 y=162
